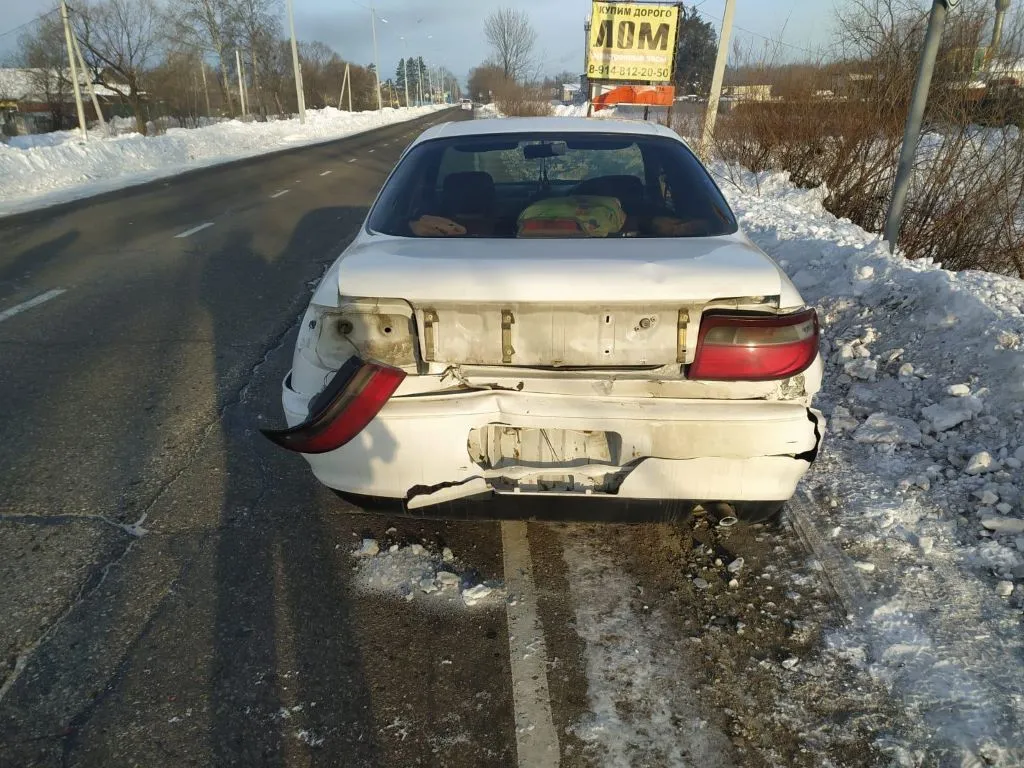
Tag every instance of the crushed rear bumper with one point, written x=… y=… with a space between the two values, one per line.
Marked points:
x=417 y=448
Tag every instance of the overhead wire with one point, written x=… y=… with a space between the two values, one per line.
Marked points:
x=28 y=23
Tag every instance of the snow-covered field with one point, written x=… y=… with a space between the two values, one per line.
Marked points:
x=36 y=171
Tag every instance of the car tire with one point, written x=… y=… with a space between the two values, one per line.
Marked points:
x=751 y=512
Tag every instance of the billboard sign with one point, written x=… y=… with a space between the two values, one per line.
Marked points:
x=637 y=95
x=632 y=41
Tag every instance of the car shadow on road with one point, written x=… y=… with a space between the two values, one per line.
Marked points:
x=287 y=684
x=31 y=260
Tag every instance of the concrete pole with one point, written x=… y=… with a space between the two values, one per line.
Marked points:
x=348 y=82
x=300 y=96
x=76 y=86
x=376 y=56
x=241 y=87
x=711 y=113
x=405 y=68
x=206 y=90
x=88 y=83
x=915 y=117
x=1002 y=6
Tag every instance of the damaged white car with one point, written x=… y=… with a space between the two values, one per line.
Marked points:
x=555 y=307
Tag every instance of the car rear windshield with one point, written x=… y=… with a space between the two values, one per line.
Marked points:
x=551 y=186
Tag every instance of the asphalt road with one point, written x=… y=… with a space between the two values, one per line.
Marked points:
x=175 y=591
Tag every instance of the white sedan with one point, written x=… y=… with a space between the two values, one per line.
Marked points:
x=555 y=307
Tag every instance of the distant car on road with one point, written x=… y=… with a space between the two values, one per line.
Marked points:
x=466 y=104
x=554 y=307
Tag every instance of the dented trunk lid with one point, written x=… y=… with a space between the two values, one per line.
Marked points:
x=559 y=303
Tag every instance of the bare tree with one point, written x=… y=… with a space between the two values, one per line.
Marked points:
x=120 y=39
x=258 y=31
x=512 y=39
x=42 y=52
x=210 y=26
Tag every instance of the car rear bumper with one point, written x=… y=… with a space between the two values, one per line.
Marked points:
x=700 y=450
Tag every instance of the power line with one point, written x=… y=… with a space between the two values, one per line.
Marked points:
x=28 y=23
x=777 y=41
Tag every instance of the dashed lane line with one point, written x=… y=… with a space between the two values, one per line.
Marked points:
x=190 y=232
x=352 y=160
x=536 y=738
x=325 y=173
x=17 y=309
x=278 y=194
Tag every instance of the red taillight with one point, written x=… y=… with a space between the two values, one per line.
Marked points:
x=754 y=348
x=349 y=402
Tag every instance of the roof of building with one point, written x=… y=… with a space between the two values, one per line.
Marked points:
x=26 y=84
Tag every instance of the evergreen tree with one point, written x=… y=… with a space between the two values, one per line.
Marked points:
x=695 y=53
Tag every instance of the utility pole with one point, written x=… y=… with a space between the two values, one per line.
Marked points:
x=206 y=90
x=241 y=85
x=1002 y=6
x=300 y=96
x=74 y=70
x=376 y=56
x=711 y=113
x=915 y=117
x=405 y=69
x=586 y=66
x=88 y=83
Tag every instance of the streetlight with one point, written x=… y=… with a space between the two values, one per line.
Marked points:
x=405 y=65
x=376 y=56
x=299 y=92
x=912 y=129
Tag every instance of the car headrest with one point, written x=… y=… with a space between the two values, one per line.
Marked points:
x=468 y=192
x=628 y=189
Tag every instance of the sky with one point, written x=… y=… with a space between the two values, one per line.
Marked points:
x=450 y=32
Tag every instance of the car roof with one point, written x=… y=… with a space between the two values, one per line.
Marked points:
x=529 y=125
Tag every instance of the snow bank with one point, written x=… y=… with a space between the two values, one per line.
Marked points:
x=920 y=474
x=37 y=171
x=580 y=110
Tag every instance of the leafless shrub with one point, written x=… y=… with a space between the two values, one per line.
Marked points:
x=516 y=100
x=840 y=125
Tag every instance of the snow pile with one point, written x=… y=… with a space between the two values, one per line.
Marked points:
x=580 y=110
x=413 y=571
x=57 y=167
x=921 y=468
x=488 y=110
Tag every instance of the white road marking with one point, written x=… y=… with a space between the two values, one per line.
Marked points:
x=352 y=160
x=325 y=173
x=278 y=194
x=190 y=232
x=373 y=150
x=17 y=309
x=536 y=738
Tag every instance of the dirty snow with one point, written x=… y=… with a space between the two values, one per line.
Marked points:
x=643 y=710
x=920 y=477
x=38 y=171
x=416 y=572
